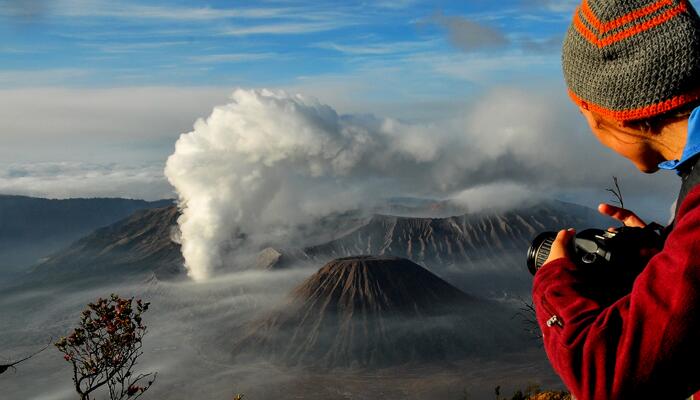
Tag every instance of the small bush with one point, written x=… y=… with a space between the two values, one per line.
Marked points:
x=104 y=349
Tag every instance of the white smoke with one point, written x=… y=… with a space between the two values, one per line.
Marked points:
x=269 y=162
x=265 y=168
x=495 y=197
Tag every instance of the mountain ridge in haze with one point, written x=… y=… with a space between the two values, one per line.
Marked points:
x=454 y=242
x=141 y=244
x=455 y=239
x=32 y=228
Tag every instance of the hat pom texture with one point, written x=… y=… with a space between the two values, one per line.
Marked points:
x=633 y=59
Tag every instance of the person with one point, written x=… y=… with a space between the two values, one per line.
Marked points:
x=633 y=69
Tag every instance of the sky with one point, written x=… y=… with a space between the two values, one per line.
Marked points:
x=94 y=94
x=93 y=43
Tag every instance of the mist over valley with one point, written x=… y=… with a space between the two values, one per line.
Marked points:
x=250 y=323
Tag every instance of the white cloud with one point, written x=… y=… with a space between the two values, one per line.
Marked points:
x=284 y=28
x=114 y=124
x=487 y=68
x=394 y=4
x=378 y=48
x=234 y=57
x=75 y=179
x=495 y=197
x=43 y=77
x=100 y=8
x=134 y=47
x=559 y=6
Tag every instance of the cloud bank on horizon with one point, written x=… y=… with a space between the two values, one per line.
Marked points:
x=61 y=180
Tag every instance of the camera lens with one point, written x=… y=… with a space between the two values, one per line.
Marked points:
x=539 y=251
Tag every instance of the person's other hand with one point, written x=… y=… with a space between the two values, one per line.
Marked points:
x=627 y=217
x=561 y=247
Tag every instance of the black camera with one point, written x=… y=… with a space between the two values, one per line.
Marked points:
x=596 y=247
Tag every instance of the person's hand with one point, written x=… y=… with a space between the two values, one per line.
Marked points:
x=561 y=247
x=627 y=217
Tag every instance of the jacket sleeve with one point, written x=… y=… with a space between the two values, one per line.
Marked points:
x=644 y=345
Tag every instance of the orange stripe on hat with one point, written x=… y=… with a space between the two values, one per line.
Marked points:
x=606 y=27
x=637 y=113
x=600 y=42
x=583 y=29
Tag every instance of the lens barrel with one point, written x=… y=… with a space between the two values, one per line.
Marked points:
x=539 y=250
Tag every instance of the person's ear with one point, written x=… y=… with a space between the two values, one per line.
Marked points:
x=596 y=119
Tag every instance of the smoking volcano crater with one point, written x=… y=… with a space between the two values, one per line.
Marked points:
x=371 y=311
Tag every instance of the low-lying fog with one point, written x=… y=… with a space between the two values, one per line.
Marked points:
x=192 y=327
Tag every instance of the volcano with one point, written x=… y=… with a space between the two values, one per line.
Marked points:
x=135 y=247
x=366 y=286
x=457 y=240
x=376 y=312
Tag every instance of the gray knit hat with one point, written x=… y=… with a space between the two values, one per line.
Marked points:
x=633 y=59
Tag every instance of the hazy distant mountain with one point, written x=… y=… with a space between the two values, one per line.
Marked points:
x=141 y=244
x=485 y=242
x=482 y=253
x=456 y=240
x=376 y=312
x=32 y=228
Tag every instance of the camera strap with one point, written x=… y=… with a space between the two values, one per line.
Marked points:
x=690 y=176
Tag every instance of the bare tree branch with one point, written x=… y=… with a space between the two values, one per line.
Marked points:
x=617 y=192
x=529 y=319
x=5 y=367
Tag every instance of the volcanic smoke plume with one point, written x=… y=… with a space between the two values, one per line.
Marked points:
x=269 y=162
x=268 y=165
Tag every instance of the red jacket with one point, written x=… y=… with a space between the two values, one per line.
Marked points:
x=644 y=345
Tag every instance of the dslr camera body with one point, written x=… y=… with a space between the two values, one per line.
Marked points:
x=593 y=248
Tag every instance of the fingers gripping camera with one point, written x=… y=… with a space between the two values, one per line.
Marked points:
x=627 y=246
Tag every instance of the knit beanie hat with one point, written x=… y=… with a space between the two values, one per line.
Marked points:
x=633 y=59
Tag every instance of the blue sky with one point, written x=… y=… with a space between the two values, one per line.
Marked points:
x=271 y=43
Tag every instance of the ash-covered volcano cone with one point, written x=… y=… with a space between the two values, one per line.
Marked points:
x=368 y=286
x=376 y=312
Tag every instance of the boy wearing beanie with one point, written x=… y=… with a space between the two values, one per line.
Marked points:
x=633 y=68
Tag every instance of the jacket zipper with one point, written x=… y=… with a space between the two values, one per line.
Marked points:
x=554 y=319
